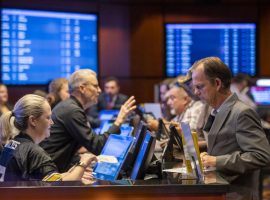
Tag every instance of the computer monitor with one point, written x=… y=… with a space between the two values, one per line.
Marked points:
x=38 y=46
x=107 y=115
x=168 y=152
x=117 y=146
x=144 y=157
x=104 y=126
x=191 y=150
x=126 y=130
x=233 y=43
x=153 y=108
x=261 y=95
x=140 y=132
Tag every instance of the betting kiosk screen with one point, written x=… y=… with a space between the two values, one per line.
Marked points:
x=38 y=46
x=144 y=157
x=117 y=146
x=233 y=43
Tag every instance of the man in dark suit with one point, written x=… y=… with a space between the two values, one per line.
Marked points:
x=237 y=145
x=110 y=99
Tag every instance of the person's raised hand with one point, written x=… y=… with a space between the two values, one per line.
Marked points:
x=125 y=110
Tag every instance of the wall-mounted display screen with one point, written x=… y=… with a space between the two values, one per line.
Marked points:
x=233 y=43
x=38 y=46
x=261 y=95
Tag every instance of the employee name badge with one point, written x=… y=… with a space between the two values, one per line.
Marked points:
x=2 y=173
x=6 y=156
x=12 y=144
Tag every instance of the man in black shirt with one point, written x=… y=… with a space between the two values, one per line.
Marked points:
x=71 y=129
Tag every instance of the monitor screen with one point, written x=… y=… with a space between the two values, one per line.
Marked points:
x=190 y=152
x=144 y=157
x=140 y=131
x=107 y=115
x=38 y=46
x=261 y=95
x=126 y=130
x=117 y=146
x=154 y=108
x=104 y=127
x=233 y=43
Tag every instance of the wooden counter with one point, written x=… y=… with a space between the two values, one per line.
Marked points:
x=169 y=189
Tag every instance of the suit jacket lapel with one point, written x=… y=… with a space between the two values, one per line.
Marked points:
x=219 y=120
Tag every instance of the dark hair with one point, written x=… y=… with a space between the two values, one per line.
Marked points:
x=112 y=78
x=215 y=68
x=187 y=89
x=239 y=78
x=55 y=87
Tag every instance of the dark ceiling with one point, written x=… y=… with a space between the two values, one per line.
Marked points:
x=182 y=1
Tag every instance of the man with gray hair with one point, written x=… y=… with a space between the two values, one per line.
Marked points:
x=71 y=129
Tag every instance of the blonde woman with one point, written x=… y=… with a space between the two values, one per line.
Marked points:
x=32 y=117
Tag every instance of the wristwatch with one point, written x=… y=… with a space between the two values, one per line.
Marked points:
x=82 y=164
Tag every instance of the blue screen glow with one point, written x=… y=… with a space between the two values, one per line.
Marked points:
x=117 y=146
x=38 y=46
x=234 y=44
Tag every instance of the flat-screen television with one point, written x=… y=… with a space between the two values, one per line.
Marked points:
x=38 y=46
x=144 y=157
x=261 y=95
x=233 y=43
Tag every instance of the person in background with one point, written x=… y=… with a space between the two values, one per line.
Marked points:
x=110 y=99
x=58 y=91
x=183 y=104
x=71 y=129
x=240 y=86
x=40 y=93
x=28 y=161
x=237 y=145
x=164 y=87
x=185 y=108
x=4 y=105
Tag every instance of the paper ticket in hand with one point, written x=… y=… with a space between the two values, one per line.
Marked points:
x=107 y=159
